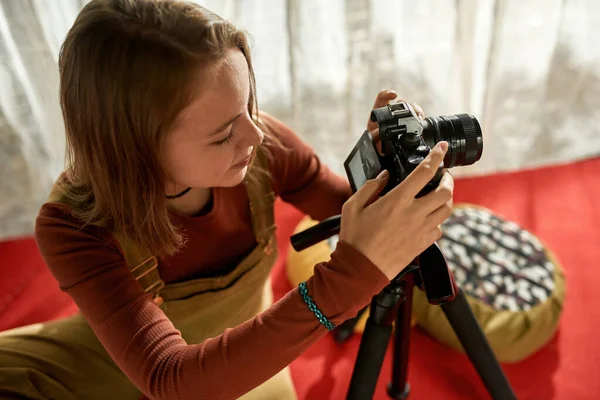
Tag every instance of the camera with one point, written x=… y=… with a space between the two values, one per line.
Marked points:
x=406 y=141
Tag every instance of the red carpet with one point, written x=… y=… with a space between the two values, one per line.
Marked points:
x=560 y=204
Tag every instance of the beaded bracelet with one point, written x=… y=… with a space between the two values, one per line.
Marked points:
x=313 y=307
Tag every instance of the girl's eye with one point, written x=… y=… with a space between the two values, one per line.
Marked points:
x=226 y=140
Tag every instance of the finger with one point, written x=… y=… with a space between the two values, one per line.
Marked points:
x=440 y=215
x=430 y=236
x=418 y=110
x=435 y=234
x=384 y=97
x=441 y=195
x=376 y=139
x=375 y=135
x=424 y=172
x=369 y=192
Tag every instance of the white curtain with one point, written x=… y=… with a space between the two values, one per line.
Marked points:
x=527 y=69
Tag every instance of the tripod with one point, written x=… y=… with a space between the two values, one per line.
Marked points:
x=429 y=271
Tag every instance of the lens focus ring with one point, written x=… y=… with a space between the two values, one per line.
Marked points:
x=470 y=134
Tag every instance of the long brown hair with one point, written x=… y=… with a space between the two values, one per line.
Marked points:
x=124 y=67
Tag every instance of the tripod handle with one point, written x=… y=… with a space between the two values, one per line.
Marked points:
x=313 y=235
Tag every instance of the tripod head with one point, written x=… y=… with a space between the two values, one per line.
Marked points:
x=436 y=279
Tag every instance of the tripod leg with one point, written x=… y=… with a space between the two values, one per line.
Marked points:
x=368 y=362
x=399 y=388
x=374 y=343
x=478 y=349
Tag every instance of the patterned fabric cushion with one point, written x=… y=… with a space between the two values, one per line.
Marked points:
x=496 y=261
x=512 y=282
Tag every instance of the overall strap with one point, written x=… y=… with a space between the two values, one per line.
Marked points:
x=262 y=199
x=142 y=264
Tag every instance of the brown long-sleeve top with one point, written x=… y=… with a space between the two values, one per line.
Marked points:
x=90 y=266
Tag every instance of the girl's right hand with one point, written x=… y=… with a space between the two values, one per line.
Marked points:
x=394 y=229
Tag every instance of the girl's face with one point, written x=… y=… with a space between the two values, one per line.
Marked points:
x=213 y=137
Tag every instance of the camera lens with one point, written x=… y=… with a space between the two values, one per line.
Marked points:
x=463 y=134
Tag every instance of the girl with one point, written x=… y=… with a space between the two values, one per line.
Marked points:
x=161 y=228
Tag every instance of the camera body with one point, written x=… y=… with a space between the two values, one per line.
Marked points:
x=402 y=144
x=406 y=141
